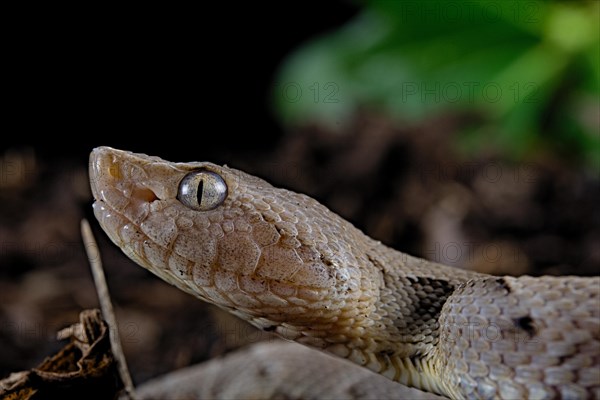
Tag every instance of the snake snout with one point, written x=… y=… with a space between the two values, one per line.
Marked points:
x=104 y=171
x=109 y=169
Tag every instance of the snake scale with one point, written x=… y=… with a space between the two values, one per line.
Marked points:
x=285 y=263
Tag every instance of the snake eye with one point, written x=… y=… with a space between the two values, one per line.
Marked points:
x=202 y=190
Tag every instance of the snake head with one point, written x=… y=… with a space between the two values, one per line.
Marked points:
x=268 y=254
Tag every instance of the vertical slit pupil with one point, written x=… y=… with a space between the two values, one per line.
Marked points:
x=199 y=192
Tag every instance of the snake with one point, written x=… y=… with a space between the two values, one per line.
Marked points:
x=286 y=264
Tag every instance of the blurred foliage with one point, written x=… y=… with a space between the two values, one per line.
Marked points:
x=530 y=69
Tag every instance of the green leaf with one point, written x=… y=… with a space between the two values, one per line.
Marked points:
x=506 y=60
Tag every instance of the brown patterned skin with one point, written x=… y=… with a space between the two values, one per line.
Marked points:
x=287 y=264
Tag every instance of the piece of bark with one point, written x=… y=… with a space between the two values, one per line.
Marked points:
x=84 y=368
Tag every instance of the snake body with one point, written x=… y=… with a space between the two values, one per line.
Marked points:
x=285 y=263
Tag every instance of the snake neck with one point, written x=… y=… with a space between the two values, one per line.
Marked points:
x=411 y=294
x=404 y=326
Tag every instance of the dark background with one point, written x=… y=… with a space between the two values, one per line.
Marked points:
x=195 y=84
x=194 y=79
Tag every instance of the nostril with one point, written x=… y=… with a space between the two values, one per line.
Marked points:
x=144 y=194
